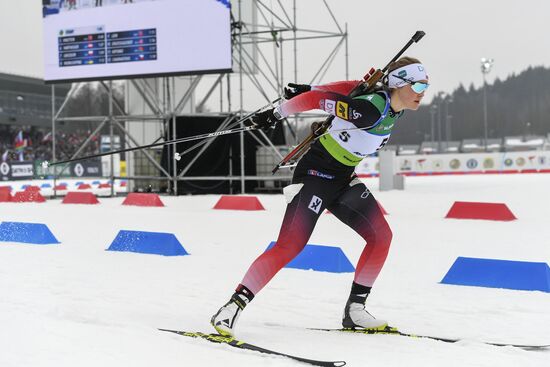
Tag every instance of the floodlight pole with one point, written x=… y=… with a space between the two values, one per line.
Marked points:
x=485 y=129
x=448 y=100
x=433 y=111
x=486 y=65
x=439 y=124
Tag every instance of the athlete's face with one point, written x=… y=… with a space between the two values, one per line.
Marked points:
x=412 y=99
x=408 y=99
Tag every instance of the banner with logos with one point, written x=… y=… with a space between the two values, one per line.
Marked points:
x=511 y=162
x=88 y=168
x=16 y=171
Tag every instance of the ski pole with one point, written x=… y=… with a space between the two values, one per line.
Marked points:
x=47 y=164
x=214 y=134
x=178 y=155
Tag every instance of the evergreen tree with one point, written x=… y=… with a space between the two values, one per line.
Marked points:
x=516 y=106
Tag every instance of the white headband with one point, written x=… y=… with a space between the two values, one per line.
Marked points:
x=411 y=72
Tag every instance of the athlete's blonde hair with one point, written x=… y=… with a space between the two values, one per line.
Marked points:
x=404 y=61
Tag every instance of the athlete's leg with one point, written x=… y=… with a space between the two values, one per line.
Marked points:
x=306 y=201
x=358 y=208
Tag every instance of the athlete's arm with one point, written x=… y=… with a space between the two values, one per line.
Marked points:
x=343 y=87
x=359 y=112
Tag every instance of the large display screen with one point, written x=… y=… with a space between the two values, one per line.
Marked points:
x=110 y=39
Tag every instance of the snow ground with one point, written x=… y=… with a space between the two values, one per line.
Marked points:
x=75 y=304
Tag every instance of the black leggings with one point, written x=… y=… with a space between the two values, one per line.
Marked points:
x=310 y=194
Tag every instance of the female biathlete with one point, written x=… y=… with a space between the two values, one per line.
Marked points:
x=324 y=179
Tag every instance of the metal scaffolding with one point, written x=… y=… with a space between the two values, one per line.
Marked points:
x=255 y=28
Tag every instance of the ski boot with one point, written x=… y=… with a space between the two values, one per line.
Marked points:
x=225 y=320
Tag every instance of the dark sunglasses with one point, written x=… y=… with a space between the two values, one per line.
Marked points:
x=417 y=87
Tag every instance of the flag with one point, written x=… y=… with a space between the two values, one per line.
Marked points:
x=5 y=156
x=20 y=143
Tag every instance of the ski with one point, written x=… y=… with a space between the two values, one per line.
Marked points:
x=395 y=331
x=220 y=339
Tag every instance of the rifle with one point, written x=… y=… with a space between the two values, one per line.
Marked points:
x=366 y=85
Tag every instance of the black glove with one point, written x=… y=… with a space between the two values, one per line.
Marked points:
x=265 y=120
x=292 y=90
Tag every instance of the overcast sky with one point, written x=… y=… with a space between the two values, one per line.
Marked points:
x=515 y=33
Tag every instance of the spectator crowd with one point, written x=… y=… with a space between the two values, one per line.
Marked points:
x=19 y=143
